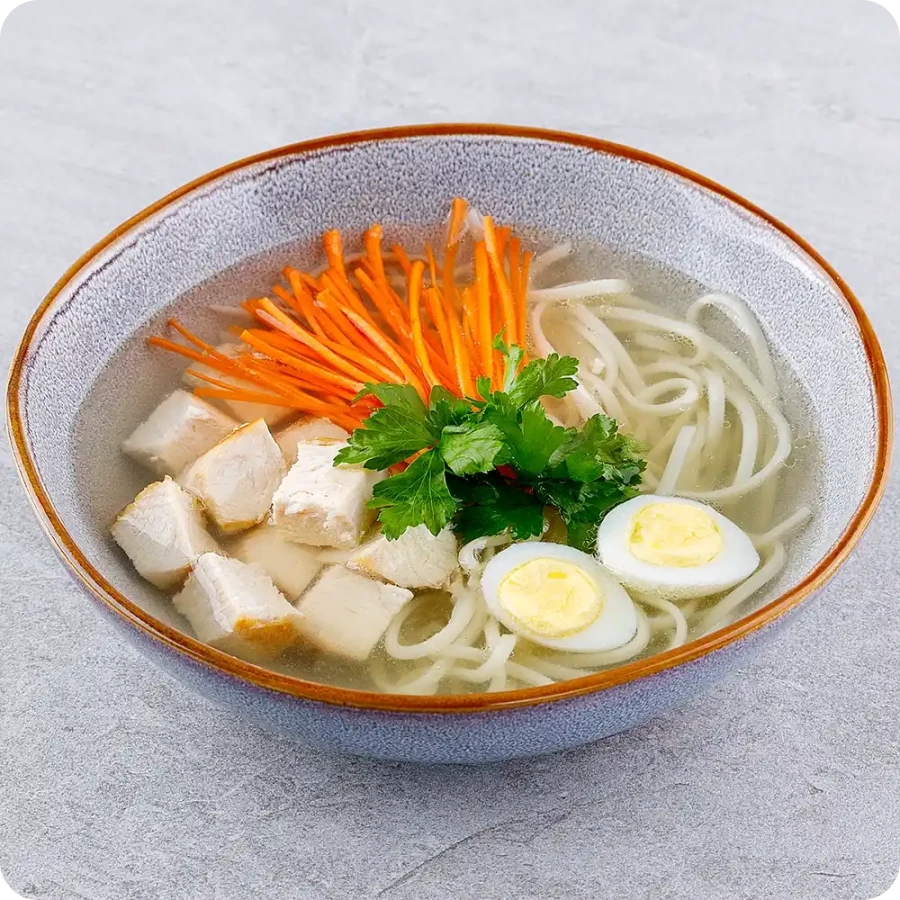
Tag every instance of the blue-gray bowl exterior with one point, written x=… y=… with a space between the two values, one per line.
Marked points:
x=458 y=738
x=249 y=222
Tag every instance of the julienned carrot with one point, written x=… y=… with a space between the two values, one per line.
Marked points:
x=483 y=303
x=304 y=299
x=343 y=417
x=334 y=251
x=382 y=342
x=287 y=298
x=341 y=287
x=523 y=296
x=302 y=366
x=414 y=294
x=338 y=315
x=507 y=304
x=385 y=304
x=282 y=323
x=461 y=361
x=439 y=317
x=372 y=243
x=331 y=331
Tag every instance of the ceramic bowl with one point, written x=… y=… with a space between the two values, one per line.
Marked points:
x=82 y=377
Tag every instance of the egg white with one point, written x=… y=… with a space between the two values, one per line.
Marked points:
x=736 y=560
x=614 y=627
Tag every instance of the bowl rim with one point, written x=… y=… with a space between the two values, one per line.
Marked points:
x=229 y=666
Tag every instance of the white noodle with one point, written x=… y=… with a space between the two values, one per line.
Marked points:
x=544 y=260
x=677 y=457
x=581 y=290
x=714 y=432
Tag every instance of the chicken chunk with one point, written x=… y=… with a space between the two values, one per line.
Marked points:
x=236 y=479
x=162 y=532
x=242 y=410
x=347 y=614
x=237 y=608
x=182 y=428
x=309 y=428
x=417 y=559
x=322 y=504
x=291 y=566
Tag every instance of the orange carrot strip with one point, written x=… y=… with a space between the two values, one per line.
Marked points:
x=514 y=251
x=352 y=334
x=288 y=299
x=303 y=366
x=334 y=251
x=380 y=341
x=461 y=362
x=439 y=317
x=341 y=287
x=414 y=292
x=402 y=258
x=485 y=326
x=507 y=303
x=304 y=298
x=272 y=315
x=523 y=297
x=372 y=243
x=458 y=210
x=342 y=417
x=385 y=304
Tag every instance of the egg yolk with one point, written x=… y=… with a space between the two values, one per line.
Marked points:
x=674 y=534
x=551 y=597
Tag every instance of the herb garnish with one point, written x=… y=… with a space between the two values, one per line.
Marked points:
x=493 y=462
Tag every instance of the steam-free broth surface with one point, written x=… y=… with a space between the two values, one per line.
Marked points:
x=703 y=430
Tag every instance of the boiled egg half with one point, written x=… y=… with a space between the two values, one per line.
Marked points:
x=558 y=597
x=674 y=548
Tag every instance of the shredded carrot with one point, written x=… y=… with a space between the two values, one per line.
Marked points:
x=328 y=332
x=402 y=258
x=278 y=320
x=304 y=299
x=523 y=296
x=507 y=304
x=415 y=293
x=334 y=251
x=483 y=296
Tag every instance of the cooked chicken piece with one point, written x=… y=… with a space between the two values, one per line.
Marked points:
x=309 y=428
x=162 y=532
x=242 y=410
x=236 y=479
x=347 y=614
x=291 y=566
x=180 y=429
x=322 y=504
x=416 y=559
x=237 y=608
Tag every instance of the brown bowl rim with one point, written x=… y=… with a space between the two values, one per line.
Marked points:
x=224 y=664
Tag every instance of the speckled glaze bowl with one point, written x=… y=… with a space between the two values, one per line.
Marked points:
x=82 y=377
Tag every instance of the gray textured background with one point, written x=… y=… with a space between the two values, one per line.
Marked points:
x=116 y=784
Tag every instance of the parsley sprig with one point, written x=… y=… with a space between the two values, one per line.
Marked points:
x=494 y=462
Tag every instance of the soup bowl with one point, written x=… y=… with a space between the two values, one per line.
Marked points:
x=83 y=377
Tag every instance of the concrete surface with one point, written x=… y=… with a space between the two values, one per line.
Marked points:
x=115 y=784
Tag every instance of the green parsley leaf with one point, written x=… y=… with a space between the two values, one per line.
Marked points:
x=447 y=409
x=531 y=438
x=468 y=449
x=598 y=450
x=388 y=436
x=493 y=505
x=514 y=356
x=418 y=495
x=553 y=377
x=402 y=396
